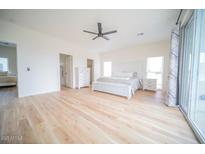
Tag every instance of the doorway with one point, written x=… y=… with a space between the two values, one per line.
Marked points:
x=66 y=71
x=8 y=69
x=90 y=64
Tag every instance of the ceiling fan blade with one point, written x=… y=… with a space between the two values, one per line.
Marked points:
x=110 y=32
x=95 y=38
x=89 y=32
x=99 y=28
x=105 y=37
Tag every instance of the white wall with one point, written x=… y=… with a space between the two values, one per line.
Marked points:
x=40 y=52
x=134 y=58
x=10 y=53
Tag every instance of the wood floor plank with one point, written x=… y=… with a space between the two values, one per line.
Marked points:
x=83 y=116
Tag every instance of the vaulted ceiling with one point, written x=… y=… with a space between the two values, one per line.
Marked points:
x=69 y=25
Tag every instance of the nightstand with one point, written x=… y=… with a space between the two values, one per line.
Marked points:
x=150 y=84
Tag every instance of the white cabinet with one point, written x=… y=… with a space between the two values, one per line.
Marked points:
x=150 y=84
x=82 y=77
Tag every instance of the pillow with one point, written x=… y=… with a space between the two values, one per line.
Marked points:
x=125 y=74
x=134 y=75
x=122 y=74
x=3 y=73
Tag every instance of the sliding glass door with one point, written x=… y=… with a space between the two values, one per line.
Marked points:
x=186 y=65
x=192 y=84
x=197 y=108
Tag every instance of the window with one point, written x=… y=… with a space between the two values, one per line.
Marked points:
x=107 y=68
x=3 y=64
x=155 y=69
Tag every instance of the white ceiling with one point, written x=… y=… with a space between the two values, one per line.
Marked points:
x=69 y=25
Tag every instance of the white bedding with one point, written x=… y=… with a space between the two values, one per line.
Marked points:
x=133 y=82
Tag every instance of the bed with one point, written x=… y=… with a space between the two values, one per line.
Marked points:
x=7 y=80
x=122 y=85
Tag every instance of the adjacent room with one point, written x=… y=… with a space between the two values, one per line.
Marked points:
x=102 y=76
x=66 y=73
x=8 y=68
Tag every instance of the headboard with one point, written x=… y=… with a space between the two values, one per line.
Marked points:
x=119 y=67
x=125 y=74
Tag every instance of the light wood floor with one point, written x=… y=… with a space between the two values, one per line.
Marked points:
x=83 y=116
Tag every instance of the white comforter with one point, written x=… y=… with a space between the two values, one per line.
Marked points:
x=133 y=82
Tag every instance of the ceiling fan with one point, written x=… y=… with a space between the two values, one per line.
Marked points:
x=100 y=33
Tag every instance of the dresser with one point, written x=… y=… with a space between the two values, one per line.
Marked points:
x=82 y=77
x=150 y=84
